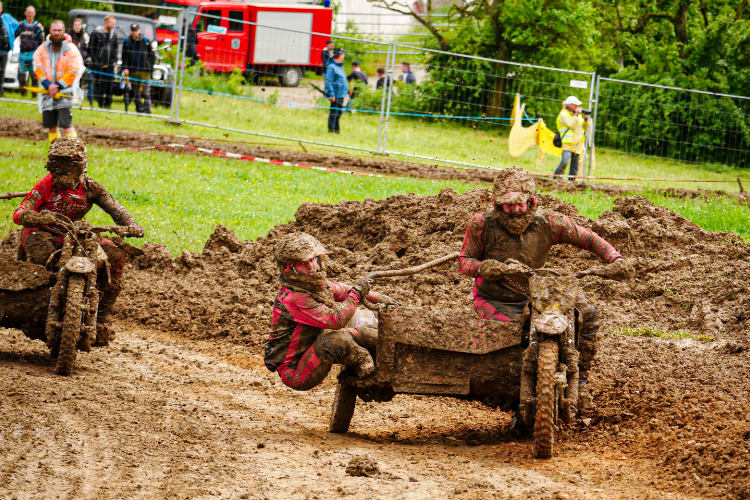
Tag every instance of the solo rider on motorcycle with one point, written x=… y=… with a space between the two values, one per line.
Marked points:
x=67 y=190
x=503 y=246
x=310 y=317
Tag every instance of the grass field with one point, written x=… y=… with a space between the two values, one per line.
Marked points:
x=180 y=199
x=408 y=136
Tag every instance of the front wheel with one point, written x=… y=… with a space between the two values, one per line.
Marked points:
x=544 y=422
x=343 y=408
x=72 y=322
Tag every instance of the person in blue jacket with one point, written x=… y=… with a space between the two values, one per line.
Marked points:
x=336 y=89
x=8 y=26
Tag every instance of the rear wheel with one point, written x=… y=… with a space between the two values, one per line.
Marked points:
x=72 y=322
x=291 y=76
x=544 y=422
x=343 y=408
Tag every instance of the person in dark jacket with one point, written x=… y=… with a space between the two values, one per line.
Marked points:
x=31 y=34
x=138 y=62
x=382 y=80
x=81 y=40
x=327 y=55
x=408 y=77
x=192 y=46
x=103 y=53
x=357 y=78
x=336 y=89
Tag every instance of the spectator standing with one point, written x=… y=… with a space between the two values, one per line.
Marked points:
x=327 y=54
x=570 y=126
x=138 y=62
x=58 y=67
x=8 y=27
x=31 y=34
x=192 y=45
x=382 y=79
x=103 y=52
x=408 y=77
x=358 y=79
x=81 y=40
x=336 y=89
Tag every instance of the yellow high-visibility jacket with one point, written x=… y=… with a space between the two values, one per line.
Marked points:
x=572 y=129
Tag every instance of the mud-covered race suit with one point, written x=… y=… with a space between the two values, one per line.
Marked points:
x=504 y=299
x=39 y=243
x=309 y=337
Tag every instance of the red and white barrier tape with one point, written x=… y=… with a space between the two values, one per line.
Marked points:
x=257 y=159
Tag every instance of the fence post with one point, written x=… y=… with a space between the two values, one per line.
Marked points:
x=382 y=99
x=586 y=150
x=176 y=75
x=182 y=70
x=596 y=109
x=389 y=85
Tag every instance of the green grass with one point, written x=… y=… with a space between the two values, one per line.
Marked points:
x=179 y=199
x=646 y=331
x=420 y=137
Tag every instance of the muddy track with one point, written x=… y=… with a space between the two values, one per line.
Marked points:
x=155 y=416
x=116 y=138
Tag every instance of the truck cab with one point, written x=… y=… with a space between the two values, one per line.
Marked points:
x=262 y=39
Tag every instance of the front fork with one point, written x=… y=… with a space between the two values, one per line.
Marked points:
x=566 y=376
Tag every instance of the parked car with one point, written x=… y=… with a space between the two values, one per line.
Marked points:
x=11 y=68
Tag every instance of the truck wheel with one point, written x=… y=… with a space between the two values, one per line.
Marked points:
x=343 y=408
x=544 y=423
x=291 y=76
x=72 y=322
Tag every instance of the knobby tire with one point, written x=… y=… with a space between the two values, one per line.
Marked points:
x=72 y=322
x=544 y=422
x=343 y=408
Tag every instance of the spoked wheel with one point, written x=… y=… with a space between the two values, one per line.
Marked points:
x=544 y=422
x=72 y=322
x=343 y=408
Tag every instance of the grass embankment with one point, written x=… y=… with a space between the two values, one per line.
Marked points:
x=645 y=331
x=446 y=140
x=180 y=199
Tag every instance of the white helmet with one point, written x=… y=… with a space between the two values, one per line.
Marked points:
x=572 y=100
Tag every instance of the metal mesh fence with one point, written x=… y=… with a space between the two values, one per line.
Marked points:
x=680 y=124
x=457 y=108
x=106 y=85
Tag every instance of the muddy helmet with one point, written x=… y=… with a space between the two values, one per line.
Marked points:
x=298 y=247
x=514 y=185
x=67 y=150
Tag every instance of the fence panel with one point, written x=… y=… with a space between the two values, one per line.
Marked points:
x=680 y=124
x=459 y=108
x=279 y=90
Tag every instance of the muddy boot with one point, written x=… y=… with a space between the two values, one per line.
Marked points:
x=585 y=401
x=361 y=361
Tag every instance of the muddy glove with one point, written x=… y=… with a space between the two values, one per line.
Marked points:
x=362 y=288
x=511 y=268
x=386 y=300
x=619 y=270
x=135 y=231
x=43 y=218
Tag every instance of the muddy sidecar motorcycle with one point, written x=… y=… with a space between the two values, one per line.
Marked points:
x=58 y=303
x=530 y=367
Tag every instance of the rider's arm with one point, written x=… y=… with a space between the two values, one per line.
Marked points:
x=564 y=230
x=34 y=200
x=305 y=309
x=471 y=251
x=341 y=290
x=101 y=197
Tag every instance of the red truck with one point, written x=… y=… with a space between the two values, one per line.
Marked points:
x=281 y=44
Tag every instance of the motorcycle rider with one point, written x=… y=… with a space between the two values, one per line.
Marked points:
x=503 y=245
x=69 y=191
x=310 y=317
